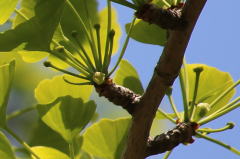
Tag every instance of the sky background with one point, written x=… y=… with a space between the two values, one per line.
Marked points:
x=215 y=42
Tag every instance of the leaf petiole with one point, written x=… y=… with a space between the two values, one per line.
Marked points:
x=170 y=98
x=85 y=30
x=124 y=47
x=25 y=145
x=224 y=94
x=219 y=114
x=71 y=150
x=126 y=3
x=167 y=154
x=209 y=130
x=184 y=95
x=197 y=71
x=20 y=112
x=234 y=150
x=166 y=116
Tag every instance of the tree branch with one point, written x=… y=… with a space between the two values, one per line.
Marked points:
x=182 y=133
x=164 y=75
x=170 y=18
x=118 y=95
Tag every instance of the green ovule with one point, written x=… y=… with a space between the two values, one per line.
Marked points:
x=99 y=78
x=201 y=111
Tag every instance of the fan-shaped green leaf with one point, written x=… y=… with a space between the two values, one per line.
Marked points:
x=67 y=116
x=211 y=84
x=148 y=33
x=127 y=76
x=49 y=90
x=45 y=136
x=88 y=12
x=33 y=56
x=151 y=33
x=27 y=8
x=160 y=116
x=6 y=151
x=106 y=139
x=6 y=9
x=37 y=32
x=48 y=153
x=158 y=125
x=6 y=78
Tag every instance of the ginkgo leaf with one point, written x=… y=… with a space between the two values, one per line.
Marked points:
x=6 y=9
x=27 y=8
x=151 y=33
x=113 y=133
x=88 y=12
x=38 y=31
x=6 y=78
x=48 y=153
x=6 y=151
x=45 y=136
x=49 y=90
x=211 y=84
x=127 y=76
x=146 y=33
x=67 y=116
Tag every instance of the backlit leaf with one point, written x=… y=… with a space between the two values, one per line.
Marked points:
x=6 y=78
x=106 y=139
x=6 y=9
x=48 y=153
x=50 y=89
x=67 y=116
x=148 y=33
x=127 y=76
x=37 y=32
x=212 y=83
x=6 y=151
x=45 y=136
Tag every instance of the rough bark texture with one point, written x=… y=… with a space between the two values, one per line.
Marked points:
x=182 y=133
x=170 y=18
x=118 y=95
x=165 y=73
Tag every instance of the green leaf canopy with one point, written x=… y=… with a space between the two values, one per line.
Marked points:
x=6 y=78
x=37 y=32
x=67 y=116
x=127 y=76
x=45 y=136
x=6 y=151
x=49 y=90
x=106 y=139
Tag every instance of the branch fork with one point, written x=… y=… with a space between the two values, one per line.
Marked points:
x=143 y=108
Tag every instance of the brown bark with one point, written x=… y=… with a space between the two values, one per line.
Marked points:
x=182 y=133
x=118 y=95
x=170 y=18
x=164 y=75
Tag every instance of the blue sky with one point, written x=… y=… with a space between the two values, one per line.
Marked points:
x=215 y=42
